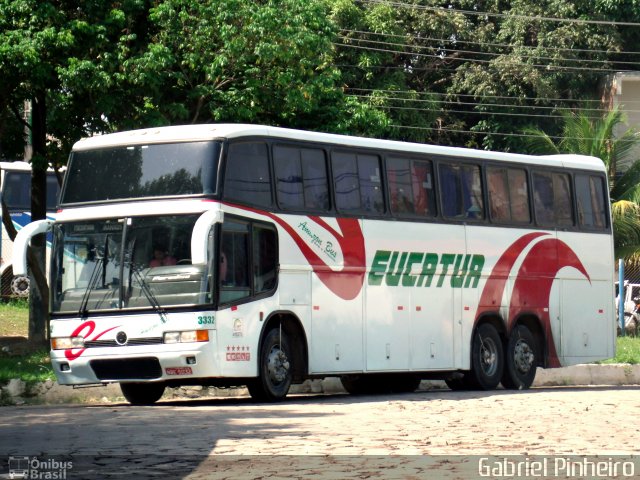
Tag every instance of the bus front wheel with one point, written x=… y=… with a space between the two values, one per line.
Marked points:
x=521 y=359
x=142 y=393
x=487 y=358
x=274 y=368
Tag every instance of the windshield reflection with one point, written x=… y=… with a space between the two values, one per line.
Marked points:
x=140 y=262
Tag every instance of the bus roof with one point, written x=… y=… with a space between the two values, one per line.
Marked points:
x=18 y=165
x=191 y=133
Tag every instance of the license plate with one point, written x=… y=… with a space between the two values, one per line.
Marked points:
x=178 y=371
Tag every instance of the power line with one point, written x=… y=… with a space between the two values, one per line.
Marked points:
x=471 y=132
x=410 y=69
x=546 y=99
x=475 y=52
x=503 y=105
x=475 y=112
x=488 y=44
x=503 y=15
x=478 y=60
x=454 y=130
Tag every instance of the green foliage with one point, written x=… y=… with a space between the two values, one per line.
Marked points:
x=32 y=368
x=265 y=62
x=627 y=351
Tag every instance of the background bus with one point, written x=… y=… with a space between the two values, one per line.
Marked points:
x=284 y=255
x=15 y=190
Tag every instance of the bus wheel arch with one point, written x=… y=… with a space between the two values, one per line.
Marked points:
x=282 y=357
x=524 y=352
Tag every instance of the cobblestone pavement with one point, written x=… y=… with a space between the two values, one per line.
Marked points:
x=325 y=434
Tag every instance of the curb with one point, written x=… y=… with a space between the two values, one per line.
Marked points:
x=50 y=392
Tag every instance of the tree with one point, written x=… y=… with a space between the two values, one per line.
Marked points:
x=101 y=66
x=256 y=62
x=585 y=135
x=46 y=46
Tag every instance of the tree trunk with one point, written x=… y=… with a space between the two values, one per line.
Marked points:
x=38 y=291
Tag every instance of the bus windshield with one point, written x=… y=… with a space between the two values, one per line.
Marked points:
x=16 y=191
x=113 y=173
x=140 y=262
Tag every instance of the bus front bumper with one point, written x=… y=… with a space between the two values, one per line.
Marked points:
x=135 y=364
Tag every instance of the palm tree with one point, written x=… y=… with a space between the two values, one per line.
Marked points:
x=582 y=134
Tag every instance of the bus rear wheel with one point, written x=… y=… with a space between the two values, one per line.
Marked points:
x=521 y=359
x=275 y=372
x=142 y=393
x=487 y=358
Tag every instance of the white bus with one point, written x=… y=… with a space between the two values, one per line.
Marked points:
x=250 y=255
x=15 y=190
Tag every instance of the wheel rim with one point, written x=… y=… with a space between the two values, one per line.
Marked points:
x=277 y=365
x=488 y=356
x=523 y=356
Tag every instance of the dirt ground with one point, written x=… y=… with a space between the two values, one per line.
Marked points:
x=334 y=436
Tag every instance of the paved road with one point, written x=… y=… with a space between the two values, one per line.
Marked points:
x=195 y=439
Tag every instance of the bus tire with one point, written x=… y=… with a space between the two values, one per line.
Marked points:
x=487 y=358
x=275 y=372
x=521 y=359
x=356 y=384
x=20 y=286
x=142 y=393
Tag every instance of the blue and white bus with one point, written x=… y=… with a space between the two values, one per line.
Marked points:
x=15 y=190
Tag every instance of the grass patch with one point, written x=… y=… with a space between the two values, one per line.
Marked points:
x=32 y=367
x=627 y=351
x=14 y=318
x=29 y=366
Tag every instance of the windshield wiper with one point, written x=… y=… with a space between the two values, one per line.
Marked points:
x=93 y=280
x=151 y=298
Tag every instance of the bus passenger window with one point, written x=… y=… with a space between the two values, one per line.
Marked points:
x=400 y=194
x=590 y=200
x=234 y=254
x=410 y=187
x=345 y=179
x=562 y=193
x=461 y=191
x=498 y=194
x=508 y=195
x=519 y=195
x=301 y=178
x=286 y=161
x=247 y=178
x=265 y=258
x=314 y=175
x=357 y=181
x=543 y=198
x=552 y=199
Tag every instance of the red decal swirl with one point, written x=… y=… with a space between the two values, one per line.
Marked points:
x=89 y=326
x=346 y=283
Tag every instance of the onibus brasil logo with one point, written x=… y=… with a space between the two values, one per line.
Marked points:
x=35 y=468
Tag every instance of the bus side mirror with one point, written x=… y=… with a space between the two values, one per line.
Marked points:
x=21 y=243
x=200 y=234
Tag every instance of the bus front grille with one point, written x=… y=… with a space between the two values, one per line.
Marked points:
x=146 y=368
x=132 y=342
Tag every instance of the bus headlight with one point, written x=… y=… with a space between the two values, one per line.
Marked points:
x=186 y=336
x=66 y=343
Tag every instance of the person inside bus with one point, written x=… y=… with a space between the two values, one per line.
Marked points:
x=161 y=258
x=224 y=265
